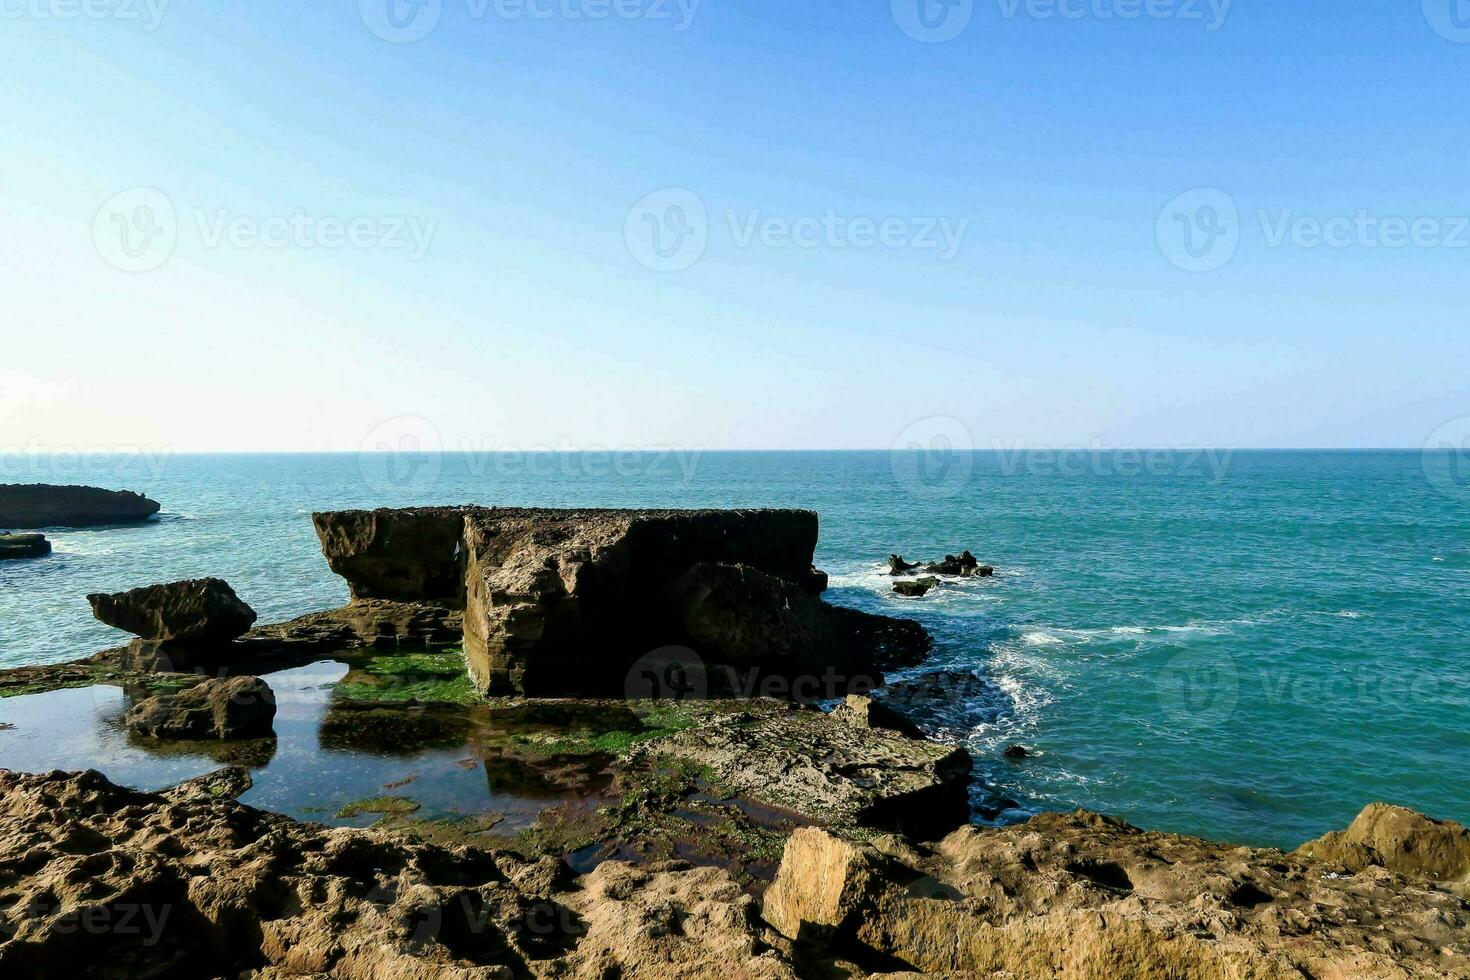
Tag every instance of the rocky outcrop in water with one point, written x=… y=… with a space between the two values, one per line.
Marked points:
x=567 y=601
x=193 y=614
x=15 y=546
x=219 y=708
x=34 y=505
x=1400 y=840
x=916 y=588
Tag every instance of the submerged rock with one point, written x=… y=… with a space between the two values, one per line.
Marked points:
x=198 y=611
x=13 y=546
x=964 y=565
x=1017 y=752
x=915 y=589
x=33 y=505
x=1399 y=840
x=221 y=708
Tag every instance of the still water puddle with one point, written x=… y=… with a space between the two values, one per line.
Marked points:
x=452 y=761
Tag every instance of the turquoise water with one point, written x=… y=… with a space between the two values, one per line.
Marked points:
x=1249 y=646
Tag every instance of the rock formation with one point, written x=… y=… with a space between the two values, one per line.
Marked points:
x=33 y=505
x=1083 y=896
x=14 y=546
x=101 y=881
x=897 y=566
x=190 y=615
x=1397 y=839
x=219 y=708
x=843 y=773
x=915 y=588
x=566 y=601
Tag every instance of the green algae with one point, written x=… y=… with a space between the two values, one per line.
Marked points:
x=429 y=677
x=387 y=806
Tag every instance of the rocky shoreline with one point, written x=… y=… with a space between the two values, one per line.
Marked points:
x=715 y=830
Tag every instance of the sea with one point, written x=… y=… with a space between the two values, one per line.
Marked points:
x=1243 y=645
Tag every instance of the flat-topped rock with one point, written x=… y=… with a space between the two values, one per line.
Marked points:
x=196 y=611
x=33 y=505
x=568 y=601
x=841 y=773
x=16 y=546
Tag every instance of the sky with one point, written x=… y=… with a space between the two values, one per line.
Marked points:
x=608 y=224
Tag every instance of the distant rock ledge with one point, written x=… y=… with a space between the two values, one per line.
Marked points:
x=34 y=505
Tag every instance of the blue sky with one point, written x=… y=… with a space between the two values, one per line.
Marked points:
x=496 y=175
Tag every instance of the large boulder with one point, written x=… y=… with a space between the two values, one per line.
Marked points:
x=33 y=505
x=23 y=546
x=567 y=601
x=189 y=613
x=219 y=708
x=1398 y=839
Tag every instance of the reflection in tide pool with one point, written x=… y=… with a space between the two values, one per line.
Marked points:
x=453 y=761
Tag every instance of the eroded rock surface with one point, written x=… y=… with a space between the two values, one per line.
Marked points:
x=35 y=505
x=837 y=772
x=566 y=601
x=1083 y=896
x=1399 y=840
x=198 y=611
x=218 y=708
x=100 y=881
